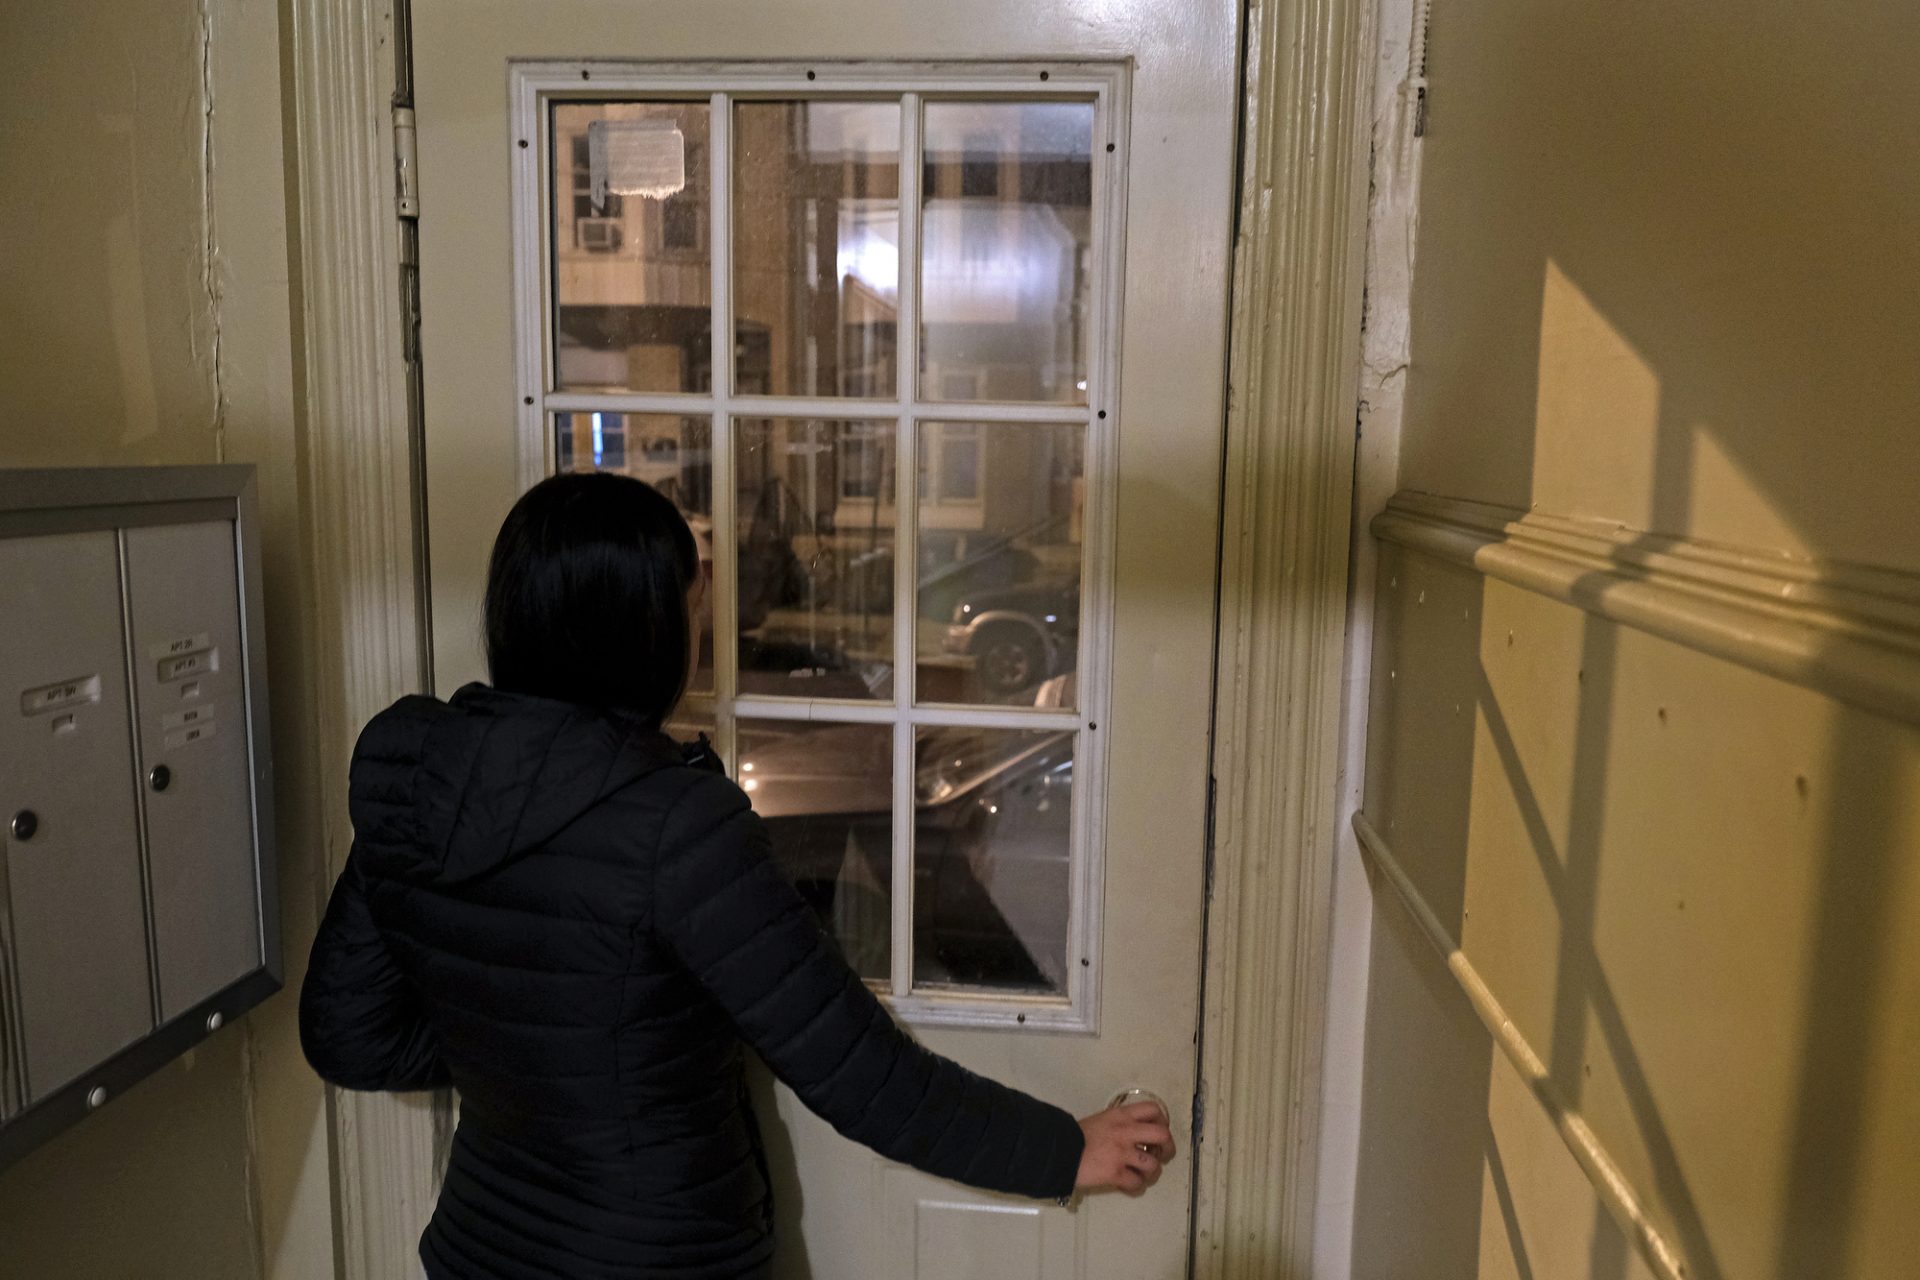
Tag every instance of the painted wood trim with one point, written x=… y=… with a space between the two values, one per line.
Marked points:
x=1849 y=631
x=1287 y=522
x=1622 y=1202
x=364 y=592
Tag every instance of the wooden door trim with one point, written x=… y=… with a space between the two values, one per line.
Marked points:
x=1286 y=524
x=364 y=590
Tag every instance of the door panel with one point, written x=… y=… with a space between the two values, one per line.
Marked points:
x=1134 y=731
x=954 y=1239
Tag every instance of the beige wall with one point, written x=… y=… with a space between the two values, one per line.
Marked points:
x=145 y=317
x=1665 y=278
x=1665 y=269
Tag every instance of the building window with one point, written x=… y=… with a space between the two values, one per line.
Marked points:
x=596 y=226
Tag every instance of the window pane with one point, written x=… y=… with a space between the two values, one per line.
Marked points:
x=1000 y=550
x=672 y=453
x=816 y=234
x=992 y=880
x=1006 y=235
x=825 y=792
x=815 y=520
x=632 y=282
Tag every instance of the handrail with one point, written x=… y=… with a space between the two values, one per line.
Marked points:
x=1615 y=1192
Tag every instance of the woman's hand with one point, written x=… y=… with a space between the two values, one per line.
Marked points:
x=1126 y=1147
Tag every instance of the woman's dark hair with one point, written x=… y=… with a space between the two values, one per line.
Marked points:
x=587 y=595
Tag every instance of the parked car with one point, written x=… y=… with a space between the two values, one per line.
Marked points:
x=1018 y=636
x=992 y=828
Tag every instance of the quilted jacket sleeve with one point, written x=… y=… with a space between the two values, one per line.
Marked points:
x=359 y=1024
x=742 y=931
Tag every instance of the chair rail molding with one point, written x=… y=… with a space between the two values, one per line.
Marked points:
x=364 y=592
x=1286 y=529
x=1849 y=631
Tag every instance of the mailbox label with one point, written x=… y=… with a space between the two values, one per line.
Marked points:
x=189 y=664
x=58 y=697
x=181 y=645
x=181 y=719
x=186 y=737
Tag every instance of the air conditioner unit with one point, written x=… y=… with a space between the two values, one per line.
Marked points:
x=598 y=235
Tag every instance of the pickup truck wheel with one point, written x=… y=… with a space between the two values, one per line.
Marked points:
x=1008 y=660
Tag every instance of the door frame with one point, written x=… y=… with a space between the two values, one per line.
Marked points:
x=1286 y=529
x=1286 y=520
x=366 y=585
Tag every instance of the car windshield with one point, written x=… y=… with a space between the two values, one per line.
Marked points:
x=956 y=759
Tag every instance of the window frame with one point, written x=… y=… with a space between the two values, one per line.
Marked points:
x=533 y=87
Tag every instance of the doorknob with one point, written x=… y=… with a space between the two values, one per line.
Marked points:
x=1128 y=1097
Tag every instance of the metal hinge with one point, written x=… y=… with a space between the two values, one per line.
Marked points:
x=406 y=164
x=1417 y=65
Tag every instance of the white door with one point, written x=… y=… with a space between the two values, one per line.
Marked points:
x=919 y=311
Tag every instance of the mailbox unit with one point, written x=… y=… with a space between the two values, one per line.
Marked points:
x=138 y=909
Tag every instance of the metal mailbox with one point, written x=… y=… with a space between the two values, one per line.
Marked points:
x=138 y=911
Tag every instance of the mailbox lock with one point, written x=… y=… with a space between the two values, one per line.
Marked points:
x=24 y=824
x=160 y=777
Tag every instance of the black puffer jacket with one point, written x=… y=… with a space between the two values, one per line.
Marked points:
x=546 y=908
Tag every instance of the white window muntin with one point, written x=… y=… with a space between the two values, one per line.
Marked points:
x=534 y=87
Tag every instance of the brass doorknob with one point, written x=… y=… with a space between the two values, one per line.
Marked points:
x=1128 y=1097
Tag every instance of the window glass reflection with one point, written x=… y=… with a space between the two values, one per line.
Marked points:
x=1001 y=543
x=816 y=234
x=992 y=874
x=816 y=517
x=1006 y=243
x=825 y=793
x=632 y=253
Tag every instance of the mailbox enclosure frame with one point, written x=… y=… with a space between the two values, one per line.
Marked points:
x=40 y=501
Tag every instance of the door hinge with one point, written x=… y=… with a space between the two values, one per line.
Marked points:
x=1417 y=65
x=406 y=164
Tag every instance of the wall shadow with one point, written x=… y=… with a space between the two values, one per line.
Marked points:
x=1845 y=1004
x=1509 y=1214
x=1572 y=879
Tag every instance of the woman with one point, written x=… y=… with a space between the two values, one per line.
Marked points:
x=552 y=907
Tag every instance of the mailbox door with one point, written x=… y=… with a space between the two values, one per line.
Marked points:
x=67 y=798
x=191 y=713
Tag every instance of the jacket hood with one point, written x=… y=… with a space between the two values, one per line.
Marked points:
x=445 y=792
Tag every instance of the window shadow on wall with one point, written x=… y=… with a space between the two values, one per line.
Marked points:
x=1715 y=190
